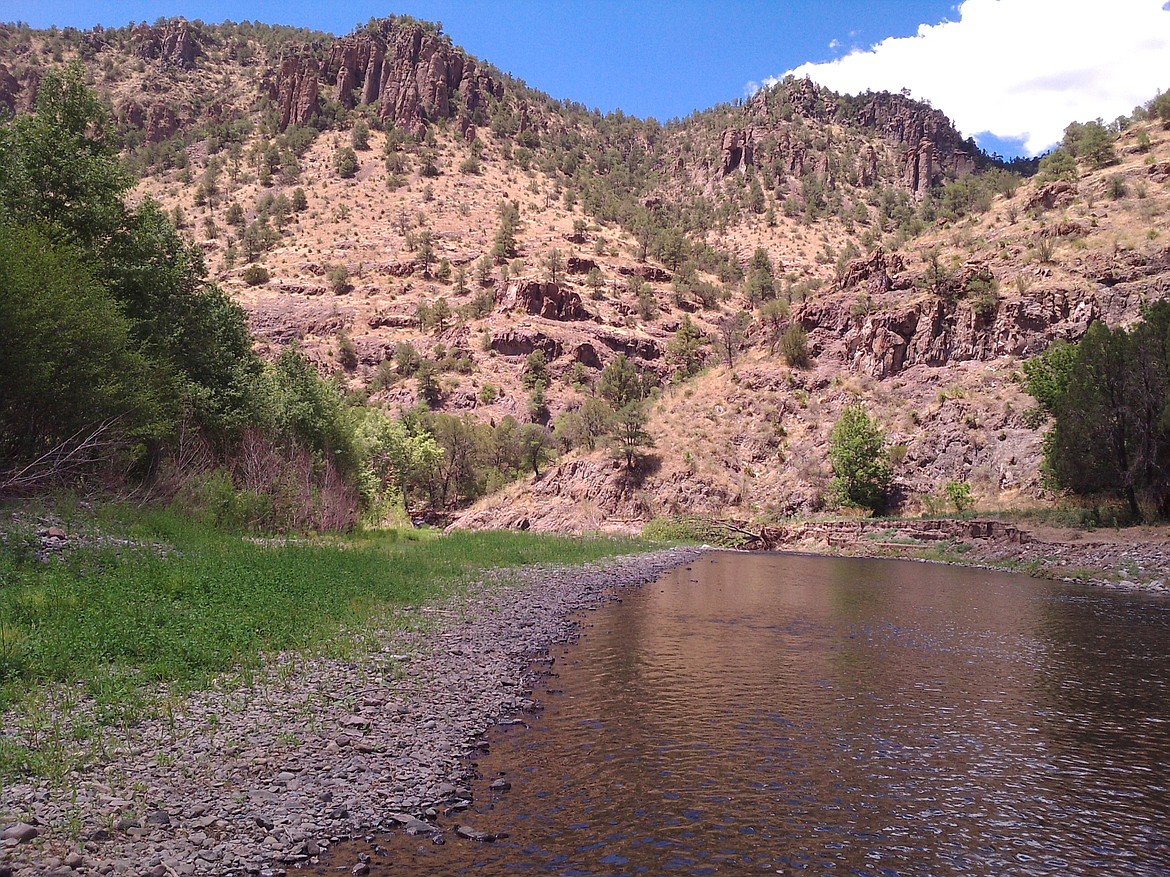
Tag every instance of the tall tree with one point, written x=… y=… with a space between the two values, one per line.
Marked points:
x=862 y=473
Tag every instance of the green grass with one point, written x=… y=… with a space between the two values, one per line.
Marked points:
x=118 y=621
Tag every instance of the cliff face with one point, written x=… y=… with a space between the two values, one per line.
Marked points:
x=18 y=89
x=417 y=75
x=174 y=44
x=920 y=145
x=896 y=331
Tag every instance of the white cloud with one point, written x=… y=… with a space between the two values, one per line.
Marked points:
x=1019 y=69
x=834 y=45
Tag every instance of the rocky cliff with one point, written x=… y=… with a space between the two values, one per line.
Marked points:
x=414 y=74
x=917 y=146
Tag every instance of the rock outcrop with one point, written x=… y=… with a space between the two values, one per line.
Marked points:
x=933 y=331
x=416 y=74
x=874 y=273
x=18 y=90
x=296 y=89
x=158 y=121
x=548 y=300
x=521 y=342
x=174 y=44
x=925 y=144
x=737 y=151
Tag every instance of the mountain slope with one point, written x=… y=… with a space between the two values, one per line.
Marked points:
x=366 y=175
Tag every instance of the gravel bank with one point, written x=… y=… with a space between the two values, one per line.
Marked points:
x=258 y=778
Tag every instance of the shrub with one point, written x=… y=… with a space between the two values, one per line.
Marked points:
x=255 y=275
x=346 y=352
x=959 y=495
x=794 y=346
x=338 y=277
x=862 y=473
x=345 y=162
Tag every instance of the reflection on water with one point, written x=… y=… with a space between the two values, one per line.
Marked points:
x=765 y=714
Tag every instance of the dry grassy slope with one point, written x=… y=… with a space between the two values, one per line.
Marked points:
x=943 y=381
x=753 y=441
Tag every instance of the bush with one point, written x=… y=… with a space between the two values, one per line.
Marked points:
x=338 y=277
x=959 y=495
x=794 y=346
x=345 y=162
x=255 y=275
x=862 y=473
x=346 y=352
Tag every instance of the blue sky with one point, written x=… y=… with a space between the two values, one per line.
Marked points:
x=666 y=59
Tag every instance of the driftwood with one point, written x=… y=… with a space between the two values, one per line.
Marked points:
x=94 y=443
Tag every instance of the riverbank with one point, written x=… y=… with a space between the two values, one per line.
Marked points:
x=1135 y=558
x=256 y=777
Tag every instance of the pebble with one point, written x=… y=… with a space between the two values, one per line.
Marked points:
x=21 y=832
x=242 y=780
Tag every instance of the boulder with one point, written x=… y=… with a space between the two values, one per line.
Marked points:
x=548 y=300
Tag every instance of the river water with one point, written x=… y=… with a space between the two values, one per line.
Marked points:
x=789 y=714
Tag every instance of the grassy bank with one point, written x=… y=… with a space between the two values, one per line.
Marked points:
x=182 y=602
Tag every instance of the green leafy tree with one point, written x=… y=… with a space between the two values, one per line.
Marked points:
x=1057 y=165
x=360 y=136
x=1108 y=396
x=504 y=245
x=794 y=346
x=686 y=350
x=555 y=264
x=862 y=473
x=536 y=446
x=620 y=384
x=69 y=366
x=345 y=162
x=535 y=370
x=440 y=314
x=631 y=439
x=1091 y=142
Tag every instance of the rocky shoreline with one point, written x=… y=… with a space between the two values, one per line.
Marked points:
x=256 y=779
x=1126 y=559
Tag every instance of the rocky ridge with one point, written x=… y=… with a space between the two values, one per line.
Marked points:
x=413 y=75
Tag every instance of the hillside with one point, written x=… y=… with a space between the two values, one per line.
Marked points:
x=396 y=191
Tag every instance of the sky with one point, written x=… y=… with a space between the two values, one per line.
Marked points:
x=1011 y=73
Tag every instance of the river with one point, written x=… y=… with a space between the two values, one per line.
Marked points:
x=792 y=714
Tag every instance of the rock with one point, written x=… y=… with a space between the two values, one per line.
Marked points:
x=500 y=785
x=1058 y=194
x=74 y=860
x=360 y=869
x=521 y=342
x=920 y=167
x=873 y=273
x=21 y=832
x=649 y=273
x=413 y=825
x=579 y=265
x=55 y=533
x=466 y=831
x=296 y=89
x=736 y=151
x=158 y=817
x=548 y=300
x=175 y=44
